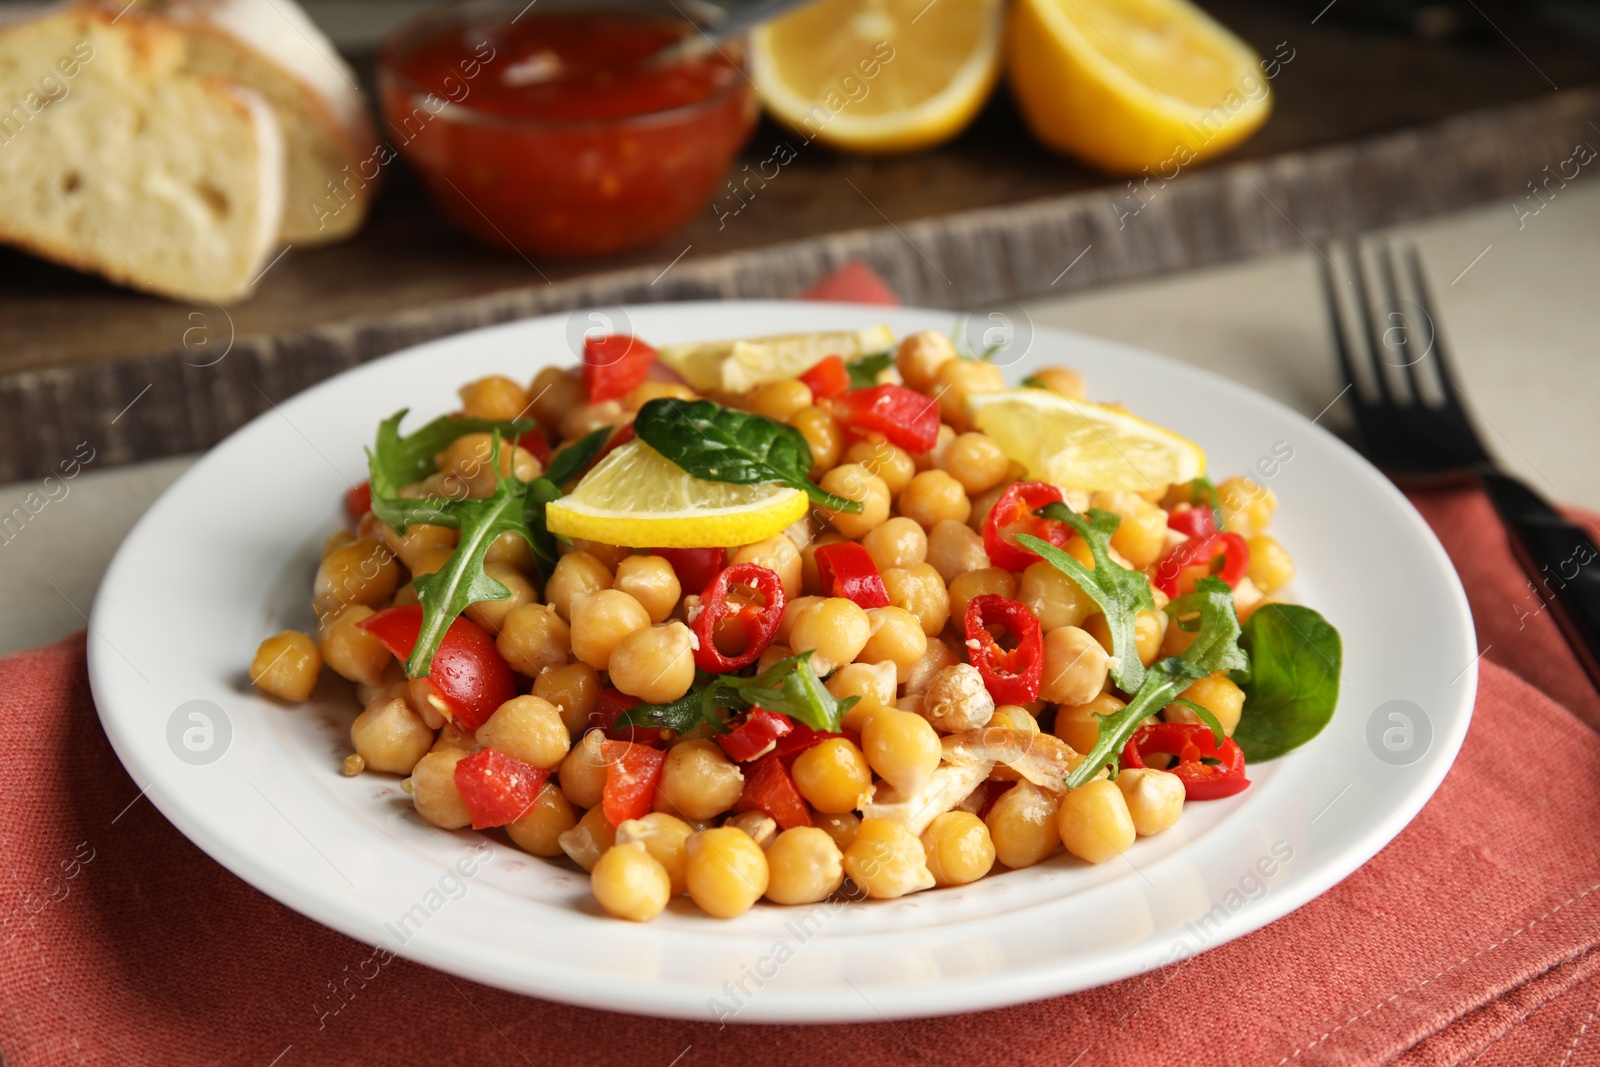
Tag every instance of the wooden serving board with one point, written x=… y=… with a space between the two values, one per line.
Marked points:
x=1370 y=128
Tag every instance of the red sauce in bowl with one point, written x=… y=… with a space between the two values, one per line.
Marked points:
x=546 y=132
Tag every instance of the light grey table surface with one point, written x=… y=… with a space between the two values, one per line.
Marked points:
x=1516 y=296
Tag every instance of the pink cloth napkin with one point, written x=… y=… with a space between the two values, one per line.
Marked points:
x=1468 y=939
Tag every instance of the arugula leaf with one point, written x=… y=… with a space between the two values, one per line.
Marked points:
x=789 y=687
x=864 y=371
x=401 y=460
x=1204 y=713
x=1205 y=495
x=719 y=444
x=1215 y=648
x=1119 y=592
x=576 y=456
x=1292 y=683
x=801 y=696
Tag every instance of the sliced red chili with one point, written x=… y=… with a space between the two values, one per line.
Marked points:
x=1012 y=514
x=614 y=365
x=695 y=567
x=846 y=569
x=358 y=500
x=610 y=703
x=468 y=672
x=755 y=624
x=1207 y=771
x=756 y=736
x=497 y=788
x=1224 y=555
x=1195 y=523
x=1011 y=675
x=769 y=788
x=536 y=442
x=632 y=773
x=904 y=416
x=828 y=378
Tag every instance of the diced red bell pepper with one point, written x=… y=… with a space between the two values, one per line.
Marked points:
x=1012 y=675
x=468 y=672
x=846 y=569
x=695 y=567
x=632 y=773
x=610 y=703
x=358 y=501
x=903 y=416
x=614 y=365
x=1196 y=523
x=1012 y=514
x=769 y=788
x=758 y=621
x=537 y=443
x=799 y=739
x=828 y=378
x=1226 y=555
x=1192 y=744
x=497 y=788
x=756 y=736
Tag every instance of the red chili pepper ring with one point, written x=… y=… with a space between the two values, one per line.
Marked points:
x=1012 y=676
x=1192 y=745
x=758 y=622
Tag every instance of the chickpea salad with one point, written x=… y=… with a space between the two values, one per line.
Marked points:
x=760 y=618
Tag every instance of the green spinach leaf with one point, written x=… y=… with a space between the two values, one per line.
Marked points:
x=572 y=459
x=1292 y=683
x=864 y=371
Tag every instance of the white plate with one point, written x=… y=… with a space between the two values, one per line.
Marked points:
x=226 y=556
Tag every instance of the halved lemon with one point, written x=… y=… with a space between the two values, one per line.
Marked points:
x=1079 y=445
x=641 y=499
x=1130 y=84
x=739 y=366
x=879 y=75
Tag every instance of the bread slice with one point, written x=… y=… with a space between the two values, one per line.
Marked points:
x=113 y=160
x=271 y=46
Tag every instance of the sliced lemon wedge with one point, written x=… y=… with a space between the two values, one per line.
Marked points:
x=879 y=75
x=638 y=498
x=740 y=366
x=1130 y=84
x=1079 y=445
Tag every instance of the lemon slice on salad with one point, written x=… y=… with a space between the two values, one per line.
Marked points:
x=1079 y=445
x=641 y=499
x=740 y=366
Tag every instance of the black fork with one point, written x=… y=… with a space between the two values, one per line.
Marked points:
x=1413 y=425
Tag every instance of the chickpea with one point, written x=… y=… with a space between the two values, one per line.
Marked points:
x=821 y=431
x=984 y=502
x=417 y=540
x=886 y=860
x=1217 y=694
x=698 y=781
x=491 y=614
x=338 y=539
x=889 y=462
x=538 y=830
x=572 y=689
x=528 y=728
x=899 y=542
x=589 y=839
x=392 y=683
x=975 y=460
x=583 y=772
x=958 y=379
x=1075 y=666
x=599 y=623
x=804 y=865
x=1142 y=535
x=655 y=664
x=835 y=630
x=934 y=497
x=792 y=610
x=1094 y=821
x=921 y=591
x=1270 y=566
x=586 y=418
x=832 y=776
x=495 y=398
x=779 y=400
x=854 y=482
x=780 y=556
x=1022 y=824
x=664 y=837
x=1154 y=799
x=286 y=666
x=920 y=356
x=1079 y=724
x=351 y=651
x=554 y=392
x=432 y=786
x=957 y=700
x=434 y=709
x=927 y=461
x=726 y=873
x=959 y=848
x=771 y=656
x=810 y=579
x=989 y=580
x=609 y=555
x=895 y=637
x=467 y=462
x=390 y=737
x=1147 y=633
x=454 y=738
x=874 y=683
x=954 y=549
x=362 y=572
x=510 y=548
x=430 y=560
x=629 y=884
x=532 y=638
x=1247 y=506
x=575 y=574
x=902 y=747
x=762 y=828
x=841 y=826
x=1055 y=599
x=1176 y=640
x=644 y=392
x=652 y=582
x=1062 y=381
x=939 y=656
